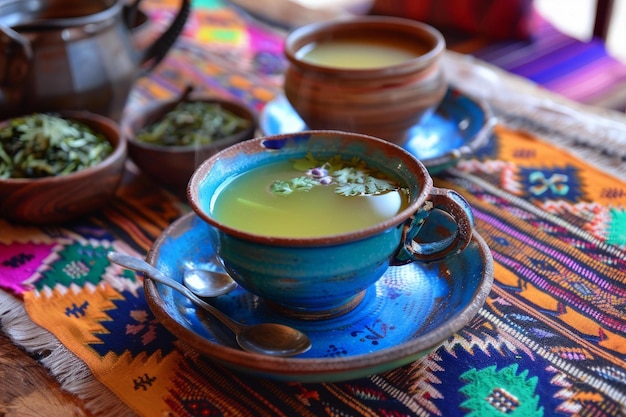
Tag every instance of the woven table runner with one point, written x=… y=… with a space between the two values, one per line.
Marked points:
x=550 y=339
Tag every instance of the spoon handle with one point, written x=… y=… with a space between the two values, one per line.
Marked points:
x=137 y=264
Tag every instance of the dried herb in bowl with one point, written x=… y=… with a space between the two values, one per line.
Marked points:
x=193 y=123
x=43 y=145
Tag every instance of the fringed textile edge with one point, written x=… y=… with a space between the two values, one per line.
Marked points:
x=595 y=134
x=72 y=373
x=600 y=141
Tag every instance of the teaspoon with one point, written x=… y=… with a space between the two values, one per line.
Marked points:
x=264 y=338
x=205 y=283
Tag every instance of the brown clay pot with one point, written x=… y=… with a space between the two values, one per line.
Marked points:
x=385 y=101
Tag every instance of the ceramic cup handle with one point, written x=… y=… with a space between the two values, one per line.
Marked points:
x=414 y=249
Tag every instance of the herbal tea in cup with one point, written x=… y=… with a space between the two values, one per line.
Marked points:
x=307 y=197
x=308 y=221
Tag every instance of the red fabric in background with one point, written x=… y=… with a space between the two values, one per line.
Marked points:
x=497 y=19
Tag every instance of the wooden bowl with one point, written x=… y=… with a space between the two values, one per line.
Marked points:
x=172 y=166
x=373 y=96
x=65 y=197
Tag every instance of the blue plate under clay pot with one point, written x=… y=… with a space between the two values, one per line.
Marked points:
x=409 y=312
x=460 y=126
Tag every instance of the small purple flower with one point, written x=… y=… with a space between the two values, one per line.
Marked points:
x=318 y=172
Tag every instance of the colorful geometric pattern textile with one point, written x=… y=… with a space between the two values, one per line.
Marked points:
x=549 y=341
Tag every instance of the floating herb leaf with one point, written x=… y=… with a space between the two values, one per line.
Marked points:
x=350 y=178
x=295 y=184
x=193 y=123
x=42 y=145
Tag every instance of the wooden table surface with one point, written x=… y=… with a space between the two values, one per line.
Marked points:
x=28 y=390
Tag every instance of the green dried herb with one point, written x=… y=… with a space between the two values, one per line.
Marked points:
x=350 y=178
x=193 y=123
x=43 y=145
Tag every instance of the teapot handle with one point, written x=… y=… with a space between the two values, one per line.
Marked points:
x=130 y=12
x=17 y=57
x=157 y=51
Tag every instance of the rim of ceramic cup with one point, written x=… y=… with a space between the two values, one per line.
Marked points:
x=410 y=163
x=328 y=29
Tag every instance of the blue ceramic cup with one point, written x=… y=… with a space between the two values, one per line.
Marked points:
x=326 y=276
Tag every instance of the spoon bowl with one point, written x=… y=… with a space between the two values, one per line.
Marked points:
x=272 y=339
x=208 y=284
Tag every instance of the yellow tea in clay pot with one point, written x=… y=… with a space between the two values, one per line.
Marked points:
x=374 y=75
x=361 y=52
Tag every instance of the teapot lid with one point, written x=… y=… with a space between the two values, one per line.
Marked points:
x=56 y=13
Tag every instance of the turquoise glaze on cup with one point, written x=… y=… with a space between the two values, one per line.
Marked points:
x=323 y=277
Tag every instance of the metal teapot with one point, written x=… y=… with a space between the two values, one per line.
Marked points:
x=74 y=55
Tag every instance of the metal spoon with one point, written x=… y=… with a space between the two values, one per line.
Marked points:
x=264 y=338
x=205 y=283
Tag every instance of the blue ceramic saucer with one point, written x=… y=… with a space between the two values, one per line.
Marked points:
x=406 y=314
x=459 y=126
